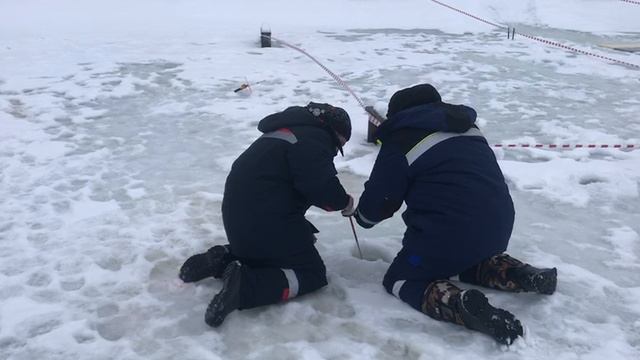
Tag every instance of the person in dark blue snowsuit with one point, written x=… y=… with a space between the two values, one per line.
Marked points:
x=271 y=255
x=459 y=214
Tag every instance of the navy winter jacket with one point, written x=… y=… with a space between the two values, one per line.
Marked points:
x=273 y=183
x=459 y=211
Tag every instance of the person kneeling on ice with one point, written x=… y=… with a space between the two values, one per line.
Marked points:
x=271 y=255
x=459 y=214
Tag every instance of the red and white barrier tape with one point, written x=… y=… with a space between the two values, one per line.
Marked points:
x=331 y=73
x=568 y=146
x=468 y=14
x=376 y=122
x=548 y=42
x=557 y=44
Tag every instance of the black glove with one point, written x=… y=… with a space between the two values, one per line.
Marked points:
x=349 y=210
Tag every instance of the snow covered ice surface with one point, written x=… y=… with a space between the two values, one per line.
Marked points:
x=118 y=125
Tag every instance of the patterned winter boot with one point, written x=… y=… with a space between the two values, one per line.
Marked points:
x=228 y=299
x=210 y=263
x=446 y=302
x=503 y=272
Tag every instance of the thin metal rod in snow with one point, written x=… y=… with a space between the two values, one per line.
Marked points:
x=353 y=228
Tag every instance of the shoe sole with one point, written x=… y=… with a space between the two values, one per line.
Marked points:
x=226 y=300
x=212 y=257
x=545 y=282
x=479 y=315
x=192 y=271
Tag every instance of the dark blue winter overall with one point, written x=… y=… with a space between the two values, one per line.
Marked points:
x=269 y=189
x=459 y=211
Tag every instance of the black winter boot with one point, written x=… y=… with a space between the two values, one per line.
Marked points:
x=446 y=302
x=210 y=263
x=504 y=272
x=478 y=314
x=228 y=299
x=530 y=278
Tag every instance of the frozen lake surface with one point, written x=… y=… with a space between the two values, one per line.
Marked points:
x=114 y=150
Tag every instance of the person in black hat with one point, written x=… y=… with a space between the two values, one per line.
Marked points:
x=459 y=214
x=271 y=255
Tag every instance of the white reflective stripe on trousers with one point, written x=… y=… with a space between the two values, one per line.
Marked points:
x=396 y=288
x=435 y=139
x=292 y=279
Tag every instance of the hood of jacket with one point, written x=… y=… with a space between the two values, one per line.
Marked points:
x=296 y=116
x=434 y=117
x=291 y=116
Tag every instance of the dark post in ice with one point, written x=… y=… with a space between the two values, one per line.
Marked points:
x=265 y=36
x=375 y=119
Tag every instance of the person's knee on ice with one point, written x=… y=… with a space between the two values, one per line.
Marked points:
x=444 y=301
x=503 y=272
x=245 y=287
x=300 y=282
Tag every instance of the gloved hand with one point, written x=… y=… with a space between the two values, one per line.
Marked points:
x=350 y=209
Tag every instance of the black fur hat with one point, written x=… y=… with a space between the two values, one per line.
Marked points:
x=414 y=96
x=335 y=118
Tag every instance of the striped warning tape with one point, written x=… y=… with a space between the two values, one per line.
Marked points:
x=331 y=73
x=548 y=42
x=568 y=146
x=377 y=121
x=557 y=44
